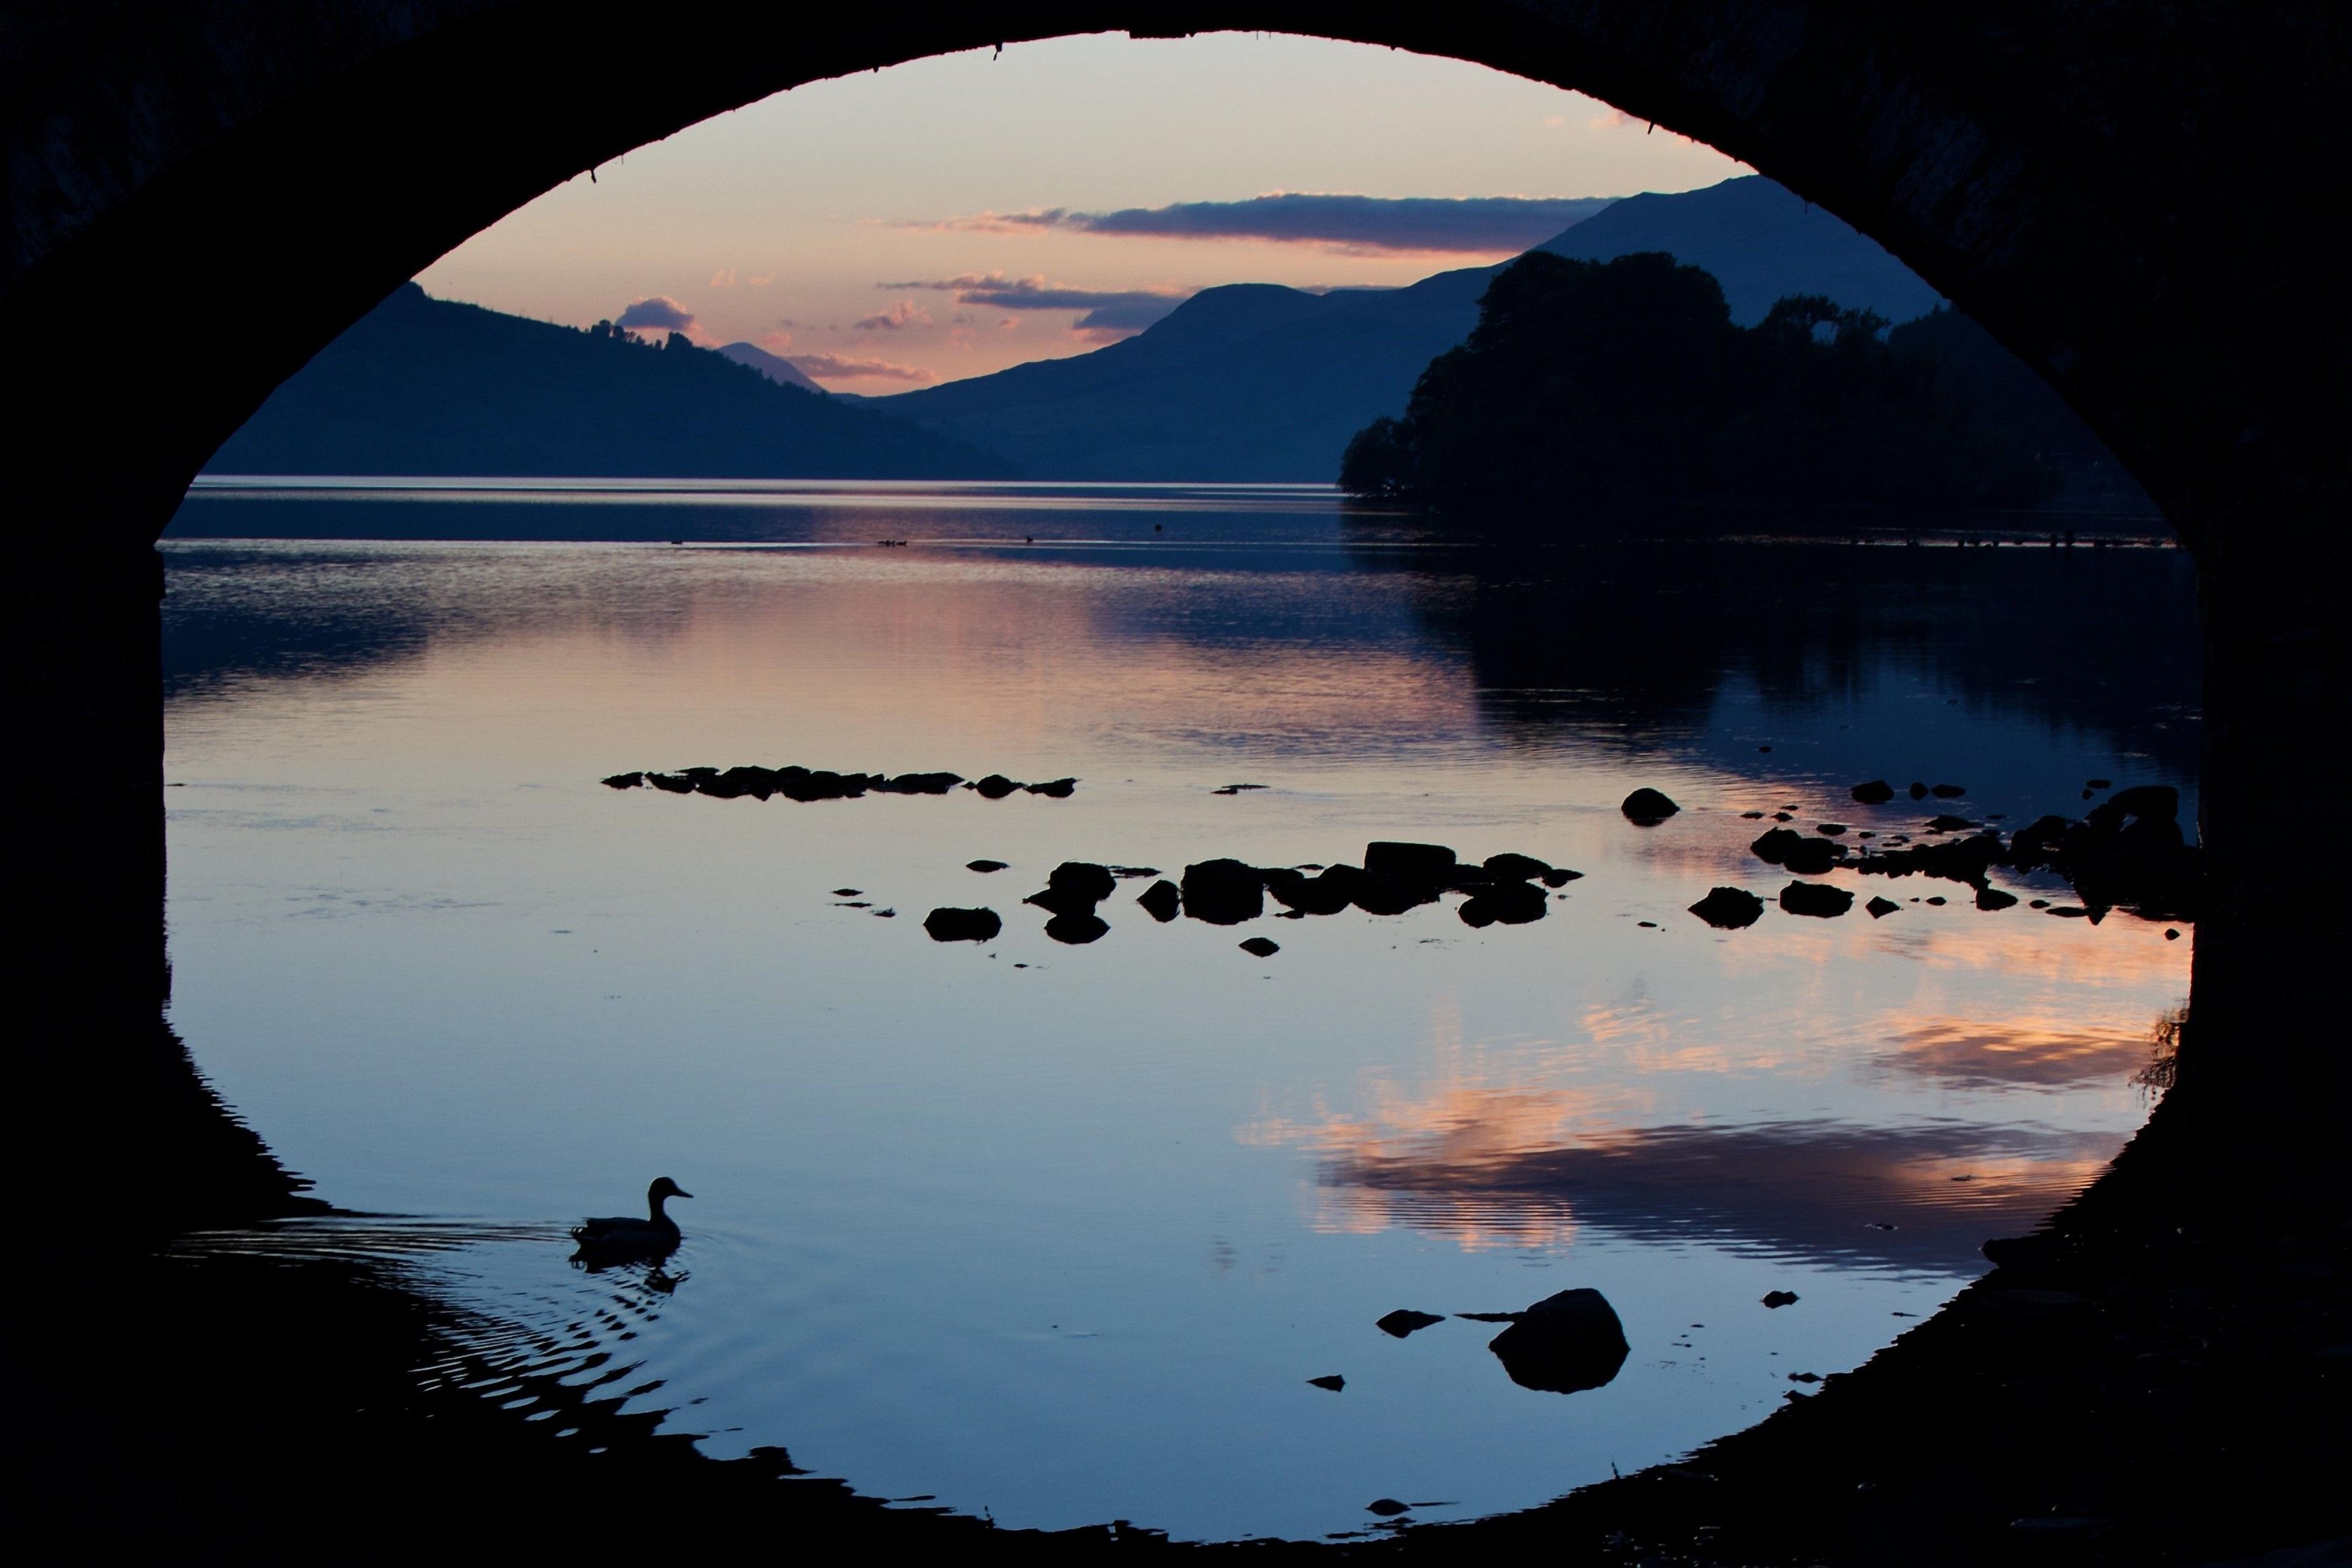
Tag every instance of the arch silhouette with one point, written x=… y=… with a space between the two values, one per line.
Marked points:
x=2139 y=197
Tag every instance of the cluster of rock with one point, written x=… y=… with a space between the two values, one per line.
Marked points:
x=1502 y=889
x=2127 y=853
x=796 y=782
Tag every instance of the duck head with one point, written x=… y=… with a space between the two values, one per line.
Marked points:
x=664 y=1187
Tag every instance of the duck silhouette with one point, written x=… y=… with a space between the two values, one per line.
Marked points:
x=625 y=1239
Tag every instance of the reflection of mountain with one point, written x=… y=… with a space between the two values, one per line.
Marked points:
x=1922 y=1196
x=1640 y=647
x=1638 y=643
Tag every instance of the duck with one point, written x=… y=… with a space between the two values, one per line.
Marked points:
x=614 y=1238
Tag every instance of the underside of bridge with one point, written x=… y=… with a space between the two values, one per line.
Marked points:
x=2143 y=199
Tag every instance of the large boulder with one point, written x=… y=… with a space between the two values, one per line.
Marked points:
x=1877 y=792
x=1564 y=1343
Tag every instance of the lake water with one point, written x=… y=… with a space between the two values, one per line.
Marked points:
x=1060 y=1233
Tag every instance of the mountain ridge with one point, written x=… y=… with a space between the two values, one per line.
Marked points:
x=1256 y=381
x=427 y=386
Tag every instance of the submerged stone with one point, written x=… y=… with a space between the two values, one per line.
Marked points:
x=1877 y=792
x=1261 y=947
x=1161 y=901
x=1881 y=908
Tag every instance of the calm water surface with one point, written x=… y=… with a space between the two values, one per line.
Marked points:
x=1061 y=1233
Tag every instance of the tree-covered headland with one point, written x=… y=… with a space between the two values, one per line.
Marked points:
x=1613 y=386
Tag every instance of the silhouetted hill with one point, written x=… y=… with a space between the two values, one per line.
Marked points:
x=775 y=368
x=1248 y=381
x=1762 y=243
x=1257 y=381
x=422 y=385
x=1593 y=392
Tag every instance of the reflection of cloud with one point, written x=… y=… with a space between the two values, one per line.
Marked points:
x=1474 y=226
x=1489 y=1167
x=841 y=368
x=1985 y=1053
x=657 y=310
x=1795 y=1188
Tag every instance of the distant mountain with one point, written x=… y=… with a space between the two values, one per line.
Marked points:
x=1762 y=242
x=1257 y=381
x=775 y=368
x=1247 y=381
x=422 y=385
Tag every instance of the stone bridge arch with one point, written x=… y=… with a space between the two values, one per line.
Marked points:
x=2140 y=197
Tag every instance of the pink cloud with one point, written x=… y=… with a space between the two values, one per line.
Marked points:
x=902 y=314
x=841 y=368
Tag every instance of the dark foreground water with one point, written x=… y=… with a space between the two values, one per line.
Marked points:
x=1061 y=1232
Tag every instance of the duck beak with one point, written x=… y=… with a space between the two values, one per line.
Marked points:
x=682 y=1193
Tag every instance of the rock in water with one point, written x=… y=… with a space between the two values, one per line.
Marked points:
x=1504 y=903
x=625 y=781
x=1161 y=901
x=1378 y=894
x=1517 y=868
x=1776 y=1299
x=1994 y=898
x=983 y=866
x=1335 y=1382
x=1564 y=1343
x=1053 y=789
x=1083 y=878
x=1947 y=791
x=1326 y=894
x=1224 y=892
x=1387 y=1507
x=1077 y=927
x=962 y=925
x=1881 y=908
x=1261 y=947
x=1406 y=1321
x=1730 y=909
x=1418 y=862
x=1647 y=807
x=1877 y=792
x=1816 y=899
x=995 y=786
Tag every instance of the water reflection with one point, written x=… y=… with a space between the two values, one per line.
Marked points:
x=956 y=1195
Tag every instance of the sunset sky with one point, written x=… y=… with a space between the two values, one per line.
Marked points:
x=955 y=216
